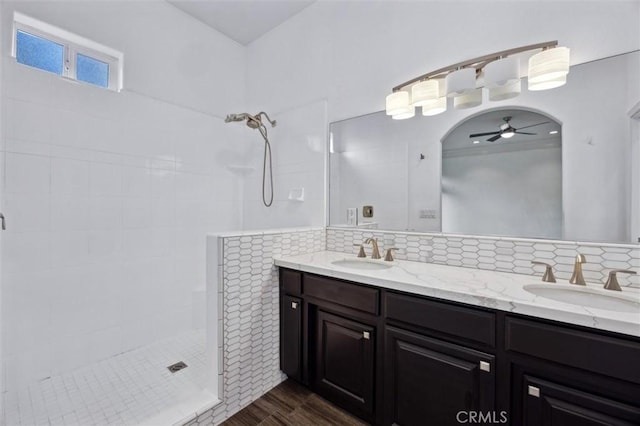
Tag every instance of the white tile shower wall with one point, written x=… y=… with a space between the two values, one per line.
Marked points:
x=250 y=320
x=109 y=195
x=2 y=410
x=298 y=146
x=499 y=254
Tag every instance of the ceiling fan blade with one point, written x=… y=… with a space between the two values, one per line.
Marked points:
x=524 y=133
x=532 y=125
x=475 y=135
x=494 y=138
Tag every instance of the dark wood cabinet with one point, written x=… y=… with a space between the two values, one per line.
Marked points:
x=394 y=358
x=345 y=362
x=429 y=381
x=291 y=336
x=549 y=404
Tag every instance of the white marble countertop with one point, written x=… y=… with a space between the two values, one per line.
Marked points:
x=496 y=290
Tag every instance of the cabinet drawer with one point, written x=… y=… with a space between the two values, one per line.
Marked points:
x=342 y=293
x=470 y=324
x=547 y=403
x=610 y=356
x=291 y=281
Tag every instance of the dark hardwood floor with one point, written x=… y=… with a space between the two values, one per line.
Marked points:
x=291 y=404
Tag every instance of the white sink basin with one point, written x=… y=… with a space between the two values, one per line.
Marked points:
x=366 y=265
x=586 y=296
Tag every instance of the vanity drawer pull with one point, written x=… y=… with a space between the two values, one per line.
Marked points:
x=294 y=305
x=485 y=366
x=534 y=391
x=366 y=335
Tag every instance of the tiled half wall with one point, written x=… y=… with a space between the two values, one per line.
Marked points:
x=499 y=254
x=249 y=314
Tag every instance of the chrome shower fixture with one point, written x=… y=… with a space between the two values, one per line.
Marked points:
x=255 y=122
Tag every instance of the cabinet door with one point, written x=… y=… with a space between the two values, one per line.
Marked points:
x=431 y=382
x=345 y=363
x=291 y=336
x=547 y=403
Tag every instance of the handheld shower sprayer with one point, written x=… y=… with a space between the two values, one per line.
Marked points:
x=235 y=117
x=255 y=122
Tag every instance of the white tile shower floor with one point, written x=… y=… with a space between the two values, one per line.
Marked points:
x=129 y=389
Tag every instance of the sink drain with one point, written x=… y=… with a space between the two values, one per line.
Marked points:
x=177 y=367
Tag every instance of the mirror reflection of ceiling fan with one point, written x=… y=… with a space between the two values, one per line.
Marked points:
x=506 y=131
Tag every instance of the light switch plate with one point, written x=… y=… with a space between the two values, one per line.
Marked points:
x=352 y=216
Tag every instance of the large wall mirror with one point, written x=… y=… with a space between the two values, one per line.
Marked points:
x=565 y=174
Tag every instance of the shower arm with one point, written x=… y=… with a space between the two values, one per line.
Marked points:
x=272 y=122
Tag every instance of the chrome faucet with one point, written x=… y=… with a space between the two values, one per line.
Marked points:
x=375 y=254
x=577 y=277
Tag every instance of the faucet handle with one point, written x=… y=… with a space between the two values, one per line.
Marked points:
x=612 y=281
x=548 y=276
x=389 y=256
x=361 y=252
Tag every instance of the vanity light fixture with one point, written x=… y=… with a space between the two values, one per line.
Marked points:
x=498 y=72
x=502 y=78
x=440 y=104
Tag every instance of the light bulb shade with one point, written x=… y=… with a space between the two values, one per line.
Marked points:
x=507 y=91
x=502 y=72
x=547 y=84
x=468 y=100
x=404 y=115
x=424 y=92
x=460 y=82
x=438 y=107
x=548 y=65
x=398 y=103
x=508 y=134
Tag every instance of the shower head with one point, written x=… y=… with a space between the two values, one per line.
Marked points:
x=253 y=121
x=236 y=117
x=254 y=124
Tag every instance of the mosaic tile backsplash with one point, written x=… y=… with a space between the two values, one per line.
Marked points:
x=499 y=254
x=250 y=331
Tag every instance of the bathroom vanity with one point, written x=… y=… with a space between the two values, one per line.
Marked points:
x=417 y=344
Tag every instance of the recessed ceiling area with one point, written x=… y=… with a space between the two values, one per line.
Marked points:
x=544 y=129
x=242 y=20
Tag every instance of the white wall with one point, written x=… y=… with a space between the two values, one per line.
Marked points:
x=109 y=195
x=353 y=53
x=517 y=193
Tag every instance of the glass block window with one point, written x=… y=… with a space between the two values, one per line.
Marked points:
x=52 y=49
x=39 y=52
x=92 y=71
